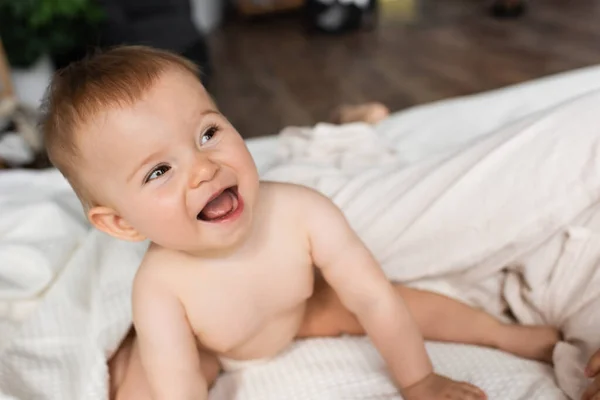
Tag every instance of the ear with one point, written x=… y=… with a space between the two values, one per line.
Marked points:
x=109 y=221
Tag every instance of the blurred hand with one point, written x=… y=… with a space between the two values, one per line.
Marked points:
x=592 y=370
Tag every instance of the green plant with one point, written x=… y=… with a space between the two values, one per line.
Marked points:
x=32 y=28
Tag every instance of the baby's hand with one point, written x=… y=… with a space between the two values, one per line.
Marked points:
x=592 y=371
x=434 y=387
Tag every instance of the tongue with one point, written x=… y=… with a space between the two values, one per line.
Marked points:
x=220 y=206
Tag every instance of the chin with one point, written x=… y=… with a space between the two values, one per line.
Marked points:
x=227 y=237
x=241 y=230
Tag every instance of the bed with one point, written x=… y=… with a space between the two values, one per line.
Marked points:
x=64 y=303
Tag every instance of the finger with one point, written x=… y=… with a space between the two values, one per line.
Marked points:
x=477 y=392
x=480 y=394
x=592 y=391
x=470 y=394
x=593 y=366
x=472 y=391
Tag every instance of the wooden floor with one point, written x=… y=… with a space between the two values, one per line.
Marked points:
x=271 y=73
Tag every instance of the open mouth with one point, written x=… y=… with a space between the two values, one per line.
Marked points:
x=222 y=207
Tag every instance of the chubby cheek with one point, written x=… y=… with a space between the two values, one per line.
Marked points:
x=159 y=217
x=249 y=191
x=244 y=166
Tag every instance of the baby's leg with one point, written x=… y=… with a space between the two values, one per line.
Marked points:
x=444 y=319
x=439 y=318
x=128 y=380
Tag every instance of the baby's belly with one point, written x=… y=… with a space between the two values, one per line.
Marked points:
x=273 y=336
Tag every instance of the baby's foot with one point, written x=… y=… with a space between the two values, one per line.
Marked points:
x=435 y=387
x=370 y=113
x=532 y=342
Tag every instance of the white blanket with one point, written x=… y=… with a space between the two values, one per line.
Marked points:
x=449 y=221
x=516 y=213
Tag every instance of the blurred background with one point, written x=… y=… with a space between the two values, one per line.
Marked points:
x=274 y=63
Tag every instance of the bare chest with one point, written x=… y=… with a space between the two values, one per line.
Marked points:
x=231 y=305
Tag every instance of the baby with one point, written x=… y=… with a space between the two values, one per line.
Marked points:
x=236 y=268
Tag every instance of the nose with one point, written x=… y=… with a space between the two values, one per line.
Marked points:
x=203 y=170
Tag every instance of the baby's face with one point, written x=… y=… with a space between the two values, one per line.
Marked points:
x=173 y=170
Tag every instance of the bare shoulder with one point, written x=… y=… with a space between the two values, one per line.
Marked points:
x=154 y=273
x=147 y=277
x=155 y=261
x=301 y=197
x=307 y=212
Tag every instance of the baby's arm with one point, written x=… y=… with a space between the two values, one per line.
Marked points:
x=352 y=271
x=168 y=350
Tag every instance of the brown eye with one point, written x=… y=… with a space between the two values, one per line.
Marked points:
x=157 y=173
x=208 y=134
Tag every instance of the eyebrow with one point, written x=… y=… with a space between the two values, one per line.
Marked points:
x=146 y=160
x=140 y=165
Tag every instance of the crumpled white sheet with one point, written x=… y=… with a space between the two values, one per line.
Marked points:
x=60 y=348
x=57 y=349
x=520 y=208
x=505 y=223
